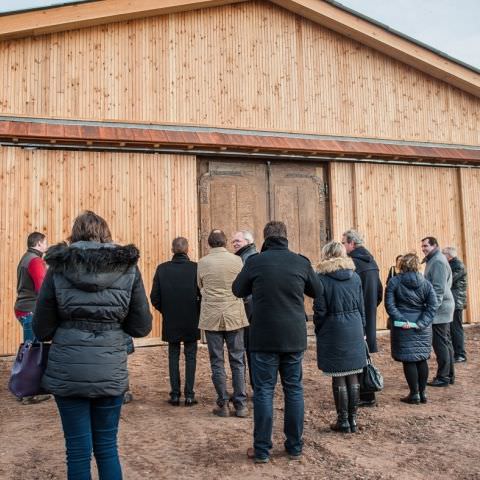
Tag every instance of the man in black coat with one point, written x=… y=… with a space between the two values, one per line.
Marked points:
x=244 y=246
x=176 y=296
x=367 y=268
x=459 y=292
x=277 y=279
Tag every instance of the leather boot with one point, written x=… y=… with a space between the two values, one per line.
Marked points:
x=340 y=395
x=353 y=399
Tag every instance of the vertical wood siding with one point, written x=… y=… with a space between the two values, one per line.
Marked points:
x=249 y=65
x=394 y=207
x=146 y=199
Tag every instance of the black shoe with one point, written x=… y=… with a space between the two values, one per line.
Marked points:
x=174 y=401
x=438 y=383
x=353 y=399
x=367 y=403
x=412 y=398
x=452 y=380
x=460 y=359
x=423 y=397
x=190 y=402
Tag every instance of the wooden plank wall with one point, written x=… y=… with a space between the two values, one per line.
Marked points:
x=251 y=65
x=146 y=199
x=396 y=206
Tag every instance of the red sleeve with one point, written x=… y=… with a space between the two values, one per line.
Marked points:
x=37 y=270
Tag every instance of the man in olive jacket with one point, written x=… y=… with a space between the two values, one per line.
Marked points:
x=459 y=292
x=176 y=296
x=223 y=318
x=277 y=279
x=439 y=274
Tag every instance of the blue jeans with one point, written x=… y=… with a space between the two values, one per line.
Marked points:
x=265 y=368
x=26 y=322
x=91 y=424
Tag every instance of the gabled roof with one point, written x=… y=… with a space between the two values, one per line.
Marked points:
x=324 y=12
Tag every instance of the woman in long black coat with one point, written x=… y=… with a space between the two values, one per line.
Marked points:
x=339 y=318
x=411 y=304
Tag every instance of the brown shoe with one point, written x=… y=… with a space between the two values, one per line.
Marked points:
x=241 y=412
x=221 y=411
x=35 y=399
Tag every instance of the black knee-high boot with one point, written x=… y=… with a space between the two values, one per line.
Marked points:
x=353 y=399
x=340 y=394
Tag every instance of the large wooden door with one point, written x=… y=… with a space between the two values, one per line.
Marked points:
x=244 y=195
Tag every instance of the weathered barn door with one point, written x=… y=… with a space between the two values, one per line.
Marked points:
x=244 y=195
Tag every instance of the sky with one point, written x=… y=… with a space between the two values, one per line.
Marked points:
x=452 y=26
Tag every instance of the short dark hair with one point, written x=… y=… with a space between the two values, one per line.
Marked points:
x=90 y=227
x=34 y=239
x=275 y=229
x=431 y=241
x=217 y=238
x=180 y=245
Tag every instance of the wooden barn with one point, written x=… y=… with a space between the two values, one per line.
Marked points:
x=170 y=117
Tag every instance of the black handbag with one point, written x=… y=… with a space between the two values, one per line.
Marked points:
x=372 y=379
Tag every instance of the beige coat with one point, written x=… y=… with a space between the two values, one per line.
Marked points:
x=220 y=309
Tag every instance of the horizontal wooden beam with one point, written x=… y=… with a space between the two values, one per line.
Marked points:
x=385 y=41
x=69 y=17
x=191 y=139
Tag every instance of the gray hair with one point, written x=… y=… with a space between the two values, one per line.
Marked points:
x=352 y=236
x=452 y=251
x=247 y=235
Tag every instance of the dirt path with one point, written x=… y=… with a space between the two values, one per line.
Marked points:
x=438 y=441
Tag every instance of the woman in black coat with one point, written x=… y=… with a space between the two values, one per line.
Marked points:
x=411 y=303
x=91 y=302
x=339 y=318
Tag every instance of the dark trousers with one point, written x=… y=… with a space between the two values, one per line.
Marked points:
x=236 y=354
x=91 y=424
x=248 y=356
x=190 y=352
x=442 y=346
x=416 y=374
x=265 y=369
x=458 y=337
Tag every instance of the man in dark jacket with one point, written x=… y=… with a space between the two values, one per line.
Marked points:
x=367 y=269
x=277 y=279
x=244 y=247
x=176 y=296
x=459 y=292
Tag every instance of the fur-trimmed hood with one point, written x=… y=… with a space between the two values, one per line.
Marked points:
x=91 y=266
x=333 y=265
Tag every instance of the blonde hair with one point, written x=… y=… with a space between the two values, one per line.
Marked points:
x=409 y=263
x=333 y=249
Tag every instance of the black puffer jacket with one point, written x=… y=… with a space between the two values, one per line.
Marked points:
x=92 y=297
x=367 y=270
x=277 y=279
x=410 y=297
x=459 y=283
x=339 y=317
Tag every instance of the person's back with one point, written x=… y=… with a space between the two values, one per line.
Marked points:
x=91 y=301
x=175 y=294
x=277 y=279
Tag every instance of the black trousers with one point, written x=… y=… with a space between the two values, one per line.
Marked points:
x=458 y=337
x=247 y=354
x=416 y=374
x=190 y=352
x=442 y=346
